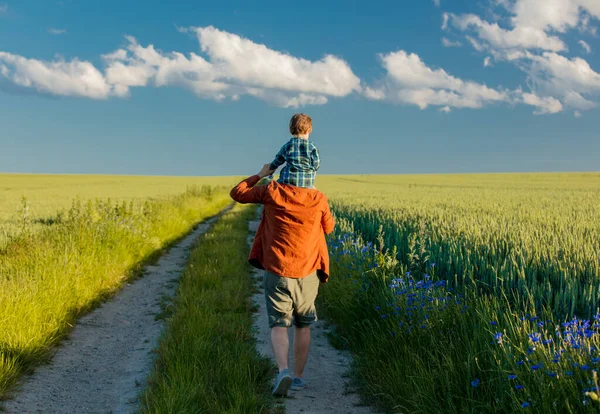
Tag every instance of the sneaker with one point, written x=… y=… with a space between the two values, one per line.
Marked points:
x=282 y=383
x=299 y=384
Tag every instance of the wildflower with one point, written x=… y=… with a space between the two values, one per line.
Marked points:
x=498 y=337
x=512 y=377
x=584 y=367
x=536 y=367
x=535 y=337
x=494 y=323
x=519 y=387
x=569 y=373
x=525 y=404
x=475 y=383
x=551 y=374
x=520 y=362
x=383 y=316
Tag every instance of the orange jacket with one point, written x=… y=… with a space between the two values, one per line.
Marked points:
x=290 y=240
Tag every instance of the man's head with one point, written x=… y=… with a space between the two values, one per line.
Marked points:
x=300 y=124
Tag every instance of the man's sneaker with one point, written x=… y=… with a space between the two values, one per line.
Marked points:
x=282 y=383
x=299 y=384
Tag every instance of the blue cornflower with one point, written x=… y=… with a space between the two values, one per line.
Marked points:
x=535 y=337
x=519 y=387
x=569 y=373
x=536 y=367
x=525 y=405
x=498 y=337
x=552 y=374
x=475 y=383
x=512 y=377
x=494 y=323
x=520 y=362
x=383 y=316
x=584 y=367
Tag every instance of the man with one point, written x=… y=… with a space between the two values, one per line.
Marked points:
x=290 y=246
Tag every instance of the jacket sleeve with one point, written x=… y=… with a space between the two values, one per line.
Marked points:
x=246 y=192
x=279 y=158
x=327 y=220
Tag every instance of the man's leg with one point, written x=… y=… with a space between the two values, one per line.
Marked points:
x=281 y=345
x=301 y=347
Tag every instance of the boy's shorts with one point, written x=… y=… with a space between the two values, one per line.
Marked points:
x=291 y=300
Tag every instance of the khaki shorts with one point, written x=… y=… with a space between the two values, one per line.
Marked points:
x=291 y=300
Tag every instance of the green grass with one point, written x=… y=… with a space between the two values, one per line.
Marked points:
x=207 y=360
x=521 y=249
x=48 y=194
x=516 y=234
x=50 y=276
x=419 y=349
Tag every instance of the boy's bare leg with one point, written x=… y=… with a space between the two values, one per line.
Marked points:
x=301 y=347
x=281 y=346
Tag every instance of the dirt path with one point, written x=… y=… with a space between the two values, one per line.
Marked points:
x=104 y=364
x=326 y=368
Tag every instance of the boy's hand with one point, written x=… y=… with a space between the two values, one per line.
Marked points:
x=266 y=170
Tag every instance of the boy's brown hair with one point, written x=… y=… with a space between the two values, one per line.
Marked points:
x=300 y=124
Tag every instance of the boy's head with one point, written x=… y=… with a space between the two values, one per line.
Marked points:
x=300 y=124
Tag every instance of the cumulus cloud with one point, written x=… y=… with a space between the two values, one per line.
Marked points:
x=531 y=38
x=544 y=105
x=410 y=81
x=61 y=78
x=232 y=67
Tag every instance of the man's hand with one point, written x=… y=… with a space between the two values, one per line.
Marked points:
x=266 y=170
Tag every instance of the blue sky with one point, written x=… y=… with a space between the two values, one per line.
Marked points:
x=198 y=88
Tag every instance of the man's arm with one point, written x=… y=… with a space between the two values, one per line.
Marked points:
x=246 y=192
x=327 y=221
x=279 y=158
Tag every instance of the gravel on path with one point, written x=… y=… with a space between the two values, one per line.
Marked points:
x=103 y=365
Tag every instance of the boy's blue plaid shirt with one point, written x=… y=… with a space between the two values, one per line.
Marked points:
x=302 y=162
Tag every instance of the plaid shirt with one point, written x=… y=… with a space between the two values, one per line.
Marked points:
x=302 y=161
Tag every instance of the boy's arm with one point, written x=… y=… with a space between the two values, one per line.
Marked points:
x=315 y=158
x=279 y=158
x=246 y=192
x=327 y=220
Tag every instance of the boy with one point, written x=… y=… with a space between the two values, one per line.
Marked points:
x=300 y=155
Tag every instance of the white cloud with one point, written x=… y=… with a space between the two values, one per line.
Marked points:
x=497 y=37
x=255 y=64
x=410 y=81
x=436 y=3
x=445 y=19
x=487 y=61
x=374 y=94
x=233 y=67
x=585 y=46
x=446 y=109
x=530 y=38
x=3 y=8
x=544 y=105
x=59 y=77
x=449 y=43
x=577 y=114
x=57 y=31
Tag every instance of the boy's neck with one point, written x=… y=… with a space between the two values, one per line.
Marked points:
x=303 y=136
